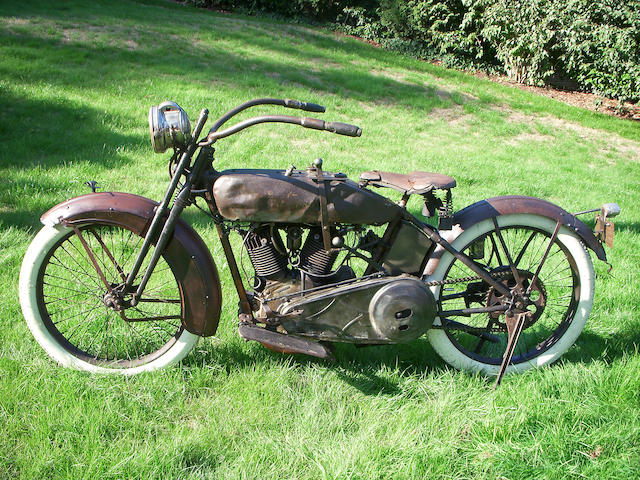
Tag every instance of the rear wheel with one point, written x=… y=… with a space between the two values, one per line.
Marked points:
x=83 y=323
x=560 y=299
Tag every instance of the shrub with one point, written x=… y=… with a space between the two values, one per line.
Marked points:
x=595 y=44
x=325 y=10
x=599 y=47
x=446 y=29
x=522 y=33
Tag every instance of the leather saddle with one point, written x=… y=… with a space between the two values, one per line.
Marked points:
x=413 y=183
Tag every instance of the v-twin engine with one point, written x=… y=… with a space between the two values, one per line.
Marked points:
x=268 y=254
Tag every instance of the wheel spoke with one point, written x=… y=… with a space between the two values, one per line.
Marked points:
x=109 y=255
x=73 y=290
x=541 y=265
x=516 y=262
x=512 y=266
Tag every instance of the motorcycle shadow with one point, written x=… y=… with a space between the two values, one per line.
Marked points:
x=382 y=369
x=373 y=370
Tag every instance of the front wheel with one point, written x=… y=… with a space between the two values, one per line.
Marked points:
x=81 y=322
x=561 y=295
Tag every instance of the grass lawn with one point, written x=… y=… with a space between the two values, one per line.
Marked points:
x=76 y=81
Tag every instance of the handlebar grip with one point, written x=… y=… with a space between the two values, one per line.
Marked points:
x=314 y=123
x=306 y=106
x=343 y=129
x=312 y=107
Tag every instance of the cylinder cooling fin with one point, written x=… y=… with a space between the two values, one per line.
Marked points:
x=265 y=258
x=314 y=259
x=271 y=263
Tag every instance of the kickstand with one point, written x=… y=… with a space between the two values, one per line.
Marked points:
x=514 y=329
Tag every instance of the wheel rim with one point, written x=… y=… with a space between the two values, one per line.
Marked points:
x=555 y=295
x=71 y=300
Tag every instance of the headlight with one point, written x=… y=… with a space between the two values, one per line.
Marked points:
x=169 y=125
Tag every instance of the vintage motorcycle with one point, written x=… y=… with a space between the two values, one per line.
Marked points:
x=115 y=282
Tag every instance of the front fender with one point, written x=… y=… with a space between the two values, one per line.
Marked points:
x=186 y=253
x=511 y=204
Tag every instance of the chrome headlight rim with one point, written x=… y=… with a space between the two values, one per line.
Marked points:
x=169 y=126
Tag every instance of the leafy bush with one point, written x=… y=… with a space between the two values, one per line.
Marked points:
x=595 y=44
x=600 y=47
x=522 y=34
x=444 y=28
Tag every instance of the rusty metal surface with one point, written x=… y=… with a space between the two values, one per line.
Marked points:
x=324 y=214
x=515 y=324
x=605 y=229
x=104 y=206
x=282 y=343
x=402 y=310
x=408 y=251
x=493 y=207
x=412 y=183
x=223 y=234
x=186 y=253
x=271 y=196
x=92 y=258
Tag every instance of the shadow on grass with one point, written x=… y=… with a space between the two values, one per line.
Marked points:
x=381 y=369
x=275 y=57
x=226 y=354
x=631 y=227
x=363 y=368
x=51 y=133
x=591 y=347
x=41 y=136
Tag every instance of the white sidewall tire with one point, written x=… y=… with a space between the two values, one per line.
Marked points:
x=46 y=239
x=454 y=357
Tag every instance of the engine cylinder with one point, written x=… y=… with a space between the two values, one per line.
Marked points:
x=266 y=260
x=313 y=257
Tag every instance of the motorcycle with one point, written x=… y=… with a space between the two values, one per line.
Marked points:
x=115 y=282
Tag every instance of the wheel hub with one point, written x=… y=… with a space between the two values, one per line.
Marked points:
x=114 y=299
x=532 y=304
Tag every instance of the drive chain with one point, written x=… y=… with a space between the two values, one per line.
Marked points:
x=471 y=278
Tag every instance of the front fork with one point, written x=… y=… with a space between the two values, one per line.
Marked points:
x=165 y=228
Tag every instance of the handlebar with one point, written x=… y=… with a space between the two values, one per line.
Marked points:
x=333 y=127
x=343 y=129
x=287 y=102
x=306 y=106
x=313 y=123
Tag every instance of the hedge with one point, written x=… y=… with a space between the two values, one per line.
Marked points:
x=591 y=45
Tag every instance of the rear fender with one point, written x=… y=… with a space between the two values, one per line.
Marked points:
x=512 y=204
x=186 y=253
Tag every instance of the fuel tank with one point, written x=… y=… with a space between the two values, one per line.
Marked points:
x=292 y=196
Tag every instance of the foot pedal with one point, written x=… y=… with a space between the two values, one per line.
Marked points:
x=283 y=343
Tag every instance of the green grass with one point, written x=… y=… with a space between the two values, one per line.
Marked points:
x=76 y=81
